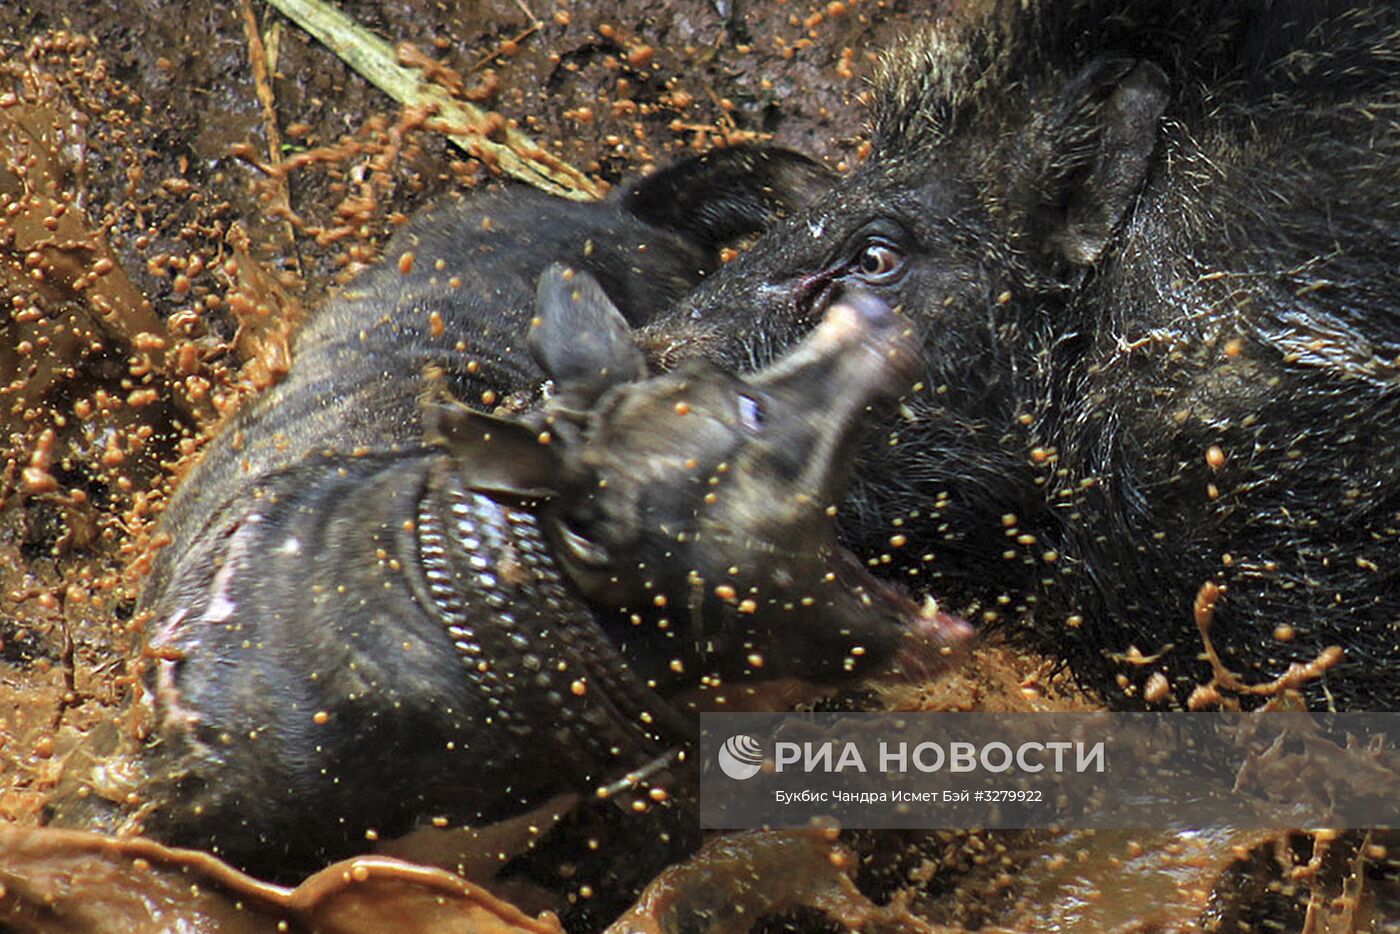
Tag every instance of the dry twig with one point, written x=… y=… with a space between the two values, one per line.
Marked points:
x=506 y=149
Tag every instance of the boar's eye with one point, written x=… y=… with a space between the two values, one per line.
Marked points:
x=879 y=261
x=751 y=414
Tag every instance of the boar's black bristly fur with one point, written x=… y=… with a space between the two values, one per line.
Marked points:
x=1152 y=249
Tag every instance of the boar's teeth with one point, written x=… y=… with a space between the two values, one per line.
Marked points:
x=581 y=548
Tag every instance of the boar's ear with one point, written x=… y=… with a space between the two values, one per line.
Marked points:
x=492 y=454
x=728 y=193
x=1100 y=147
x=580 y=338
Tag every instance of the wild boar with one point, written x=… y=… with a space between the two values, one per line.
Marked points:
x=1150 y=248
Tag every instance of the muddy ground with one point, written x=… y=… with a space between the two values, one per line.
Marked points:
x=180 y=181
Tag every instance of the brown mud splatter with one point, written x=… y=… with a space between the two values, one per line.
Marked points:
x=158 y=245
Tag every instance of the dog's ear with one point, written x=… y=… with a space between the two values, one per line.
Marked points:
x=492 y=454
x=729 y=193
x=579 y=337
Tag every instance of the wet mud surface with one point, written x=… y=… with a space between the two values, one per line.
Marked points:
x=178 y=184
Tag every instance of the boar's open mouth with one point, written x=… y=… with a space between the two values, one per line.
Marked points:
x=816 y=603
x=929 y=639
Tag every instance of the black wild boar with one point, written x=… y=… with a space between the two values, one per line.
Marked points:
x=1152 y=251
x=509 y=609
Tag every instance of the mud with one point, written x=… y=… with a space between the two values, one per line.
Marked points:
x=156 y=252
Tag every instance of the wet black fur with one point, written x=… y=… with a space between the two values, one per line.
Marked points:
x=1097 y=200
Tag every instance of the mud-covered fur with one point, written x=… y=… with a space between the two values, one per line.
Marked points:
x=1132 y=233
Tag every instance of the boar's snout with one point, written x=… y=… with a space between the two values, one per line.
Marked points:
x=809 y=410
